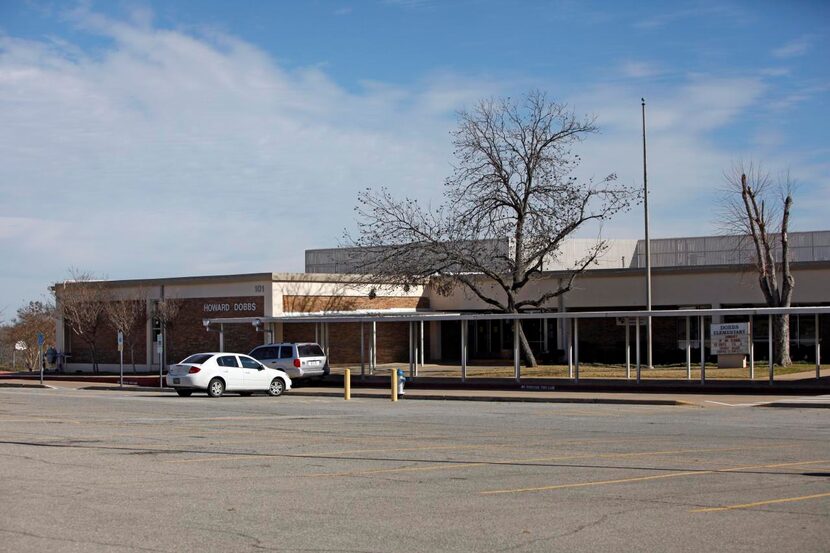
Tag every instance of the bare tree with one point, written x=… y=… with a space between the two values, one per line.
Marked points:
x=513 y=185
x=34 y=318
x=758 y=208
x=128 y=315
x=167 y=311
x=82 y=301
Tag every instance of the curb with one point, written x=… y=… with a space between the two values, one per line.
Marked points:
x=18 y=385
x=796 y=405
x=511 y=399
x=443 y=397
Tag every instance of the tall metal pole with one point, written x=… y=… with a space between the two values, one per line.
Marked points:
x=362 y=354
x=648 y=244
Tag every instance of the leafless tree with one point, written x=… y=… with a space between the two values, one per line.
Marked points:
x=128 y=315
x=513 y=184
x=36 y=317
x=167 y=311
x=757 y=207
x=82 y=301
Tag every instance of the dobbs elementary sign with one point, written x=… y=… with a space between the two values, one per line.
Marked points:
x=729 y=338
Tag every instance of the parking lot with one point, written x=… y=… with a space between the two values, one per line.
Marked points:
x=111 y=471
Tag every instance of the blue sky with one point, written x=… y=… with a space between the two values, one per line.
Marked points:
x=146 y=139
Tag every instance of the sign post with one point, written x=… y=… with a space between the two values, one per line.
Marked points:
x=160 y=347
x=121 y=357
x=41 y=339
x=730 y=342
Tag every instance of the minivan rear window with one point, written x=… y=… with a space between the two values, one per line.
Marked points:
x=310 y=350
x=197 y=359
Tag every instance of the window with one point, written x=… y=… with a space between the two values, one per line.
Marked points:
x=197 y=359
x=310 y=350
x=227 y=361
x=248 y=363
x=286 y=352
x=265 y=353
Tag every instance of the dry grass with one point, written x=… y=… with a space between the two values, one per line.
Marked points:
x=665 y=372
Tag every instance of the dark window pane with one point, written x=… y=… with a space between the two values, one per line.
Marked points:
x=264 y=353
x=197 y=359
x=310 y=350
x=286 y=352
x=227 y=361
x=249 y=363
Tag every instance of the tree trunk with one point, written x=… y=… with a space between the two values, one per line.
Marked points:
x=525 y=345
x=781 y=344
x=94 y=354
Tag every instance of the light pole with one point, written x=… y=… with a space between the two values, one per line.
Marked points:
x=648 y=244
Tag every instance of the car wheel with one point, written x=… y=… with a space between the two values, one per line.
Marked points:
x=245 y=394
x=184 y=393
x=277 y=387
x=216 y=387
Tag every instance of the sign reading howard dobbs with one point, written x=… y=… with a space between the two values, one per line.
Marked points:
x=729 y=338
x=230 y=307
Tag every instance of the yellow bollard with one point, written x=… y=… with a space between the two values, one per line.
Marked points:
x=347 y=385
x=394 y=384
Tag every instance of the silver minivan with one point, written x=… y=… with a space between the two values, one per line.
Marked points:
x=298 y=359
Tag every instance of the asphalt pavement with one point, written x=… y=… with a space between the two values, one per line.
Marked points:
x=94 y=470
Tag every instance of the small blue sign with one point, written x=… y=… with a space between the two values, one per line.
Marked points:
x=41 y=339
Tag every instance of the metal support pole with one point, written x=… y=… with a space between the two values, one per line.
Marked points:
x=393 y=378
x=423 y=354
x=647 y=244
x=627 y=350
x=688 y=349
x=373 y=362
x=40 y=362
x=121 y=364
x=411 y=350
x=576 y=350
x=517 y=368
x=362 y=354
x=818 y=350
x=769 y=341
x=570 y=349
x=637 y=347
x=221 y=338
x=751 y=350
x=702 y=350
x=463 y=351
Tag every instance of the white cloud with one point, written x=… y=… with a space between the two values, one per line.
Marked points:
x=170 y=153
x=174 y=154
x=638 y=69
x=794 y=48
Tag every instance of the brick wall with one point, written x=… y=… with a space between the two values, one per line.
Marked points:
x=344 y=341
x=106 y=345
x=186 y=334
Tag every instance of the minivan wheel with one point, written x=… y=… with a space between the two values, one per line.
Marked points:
x=216 y=387
x=277 y=387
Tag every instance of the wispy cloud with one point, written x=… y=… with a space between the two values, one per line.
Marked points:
x=693 y=12
x=639 y=69
x=172 y=153
x=794 y=48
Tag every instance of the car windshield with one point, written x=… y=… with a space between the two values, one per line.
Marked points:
x=197 y=359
